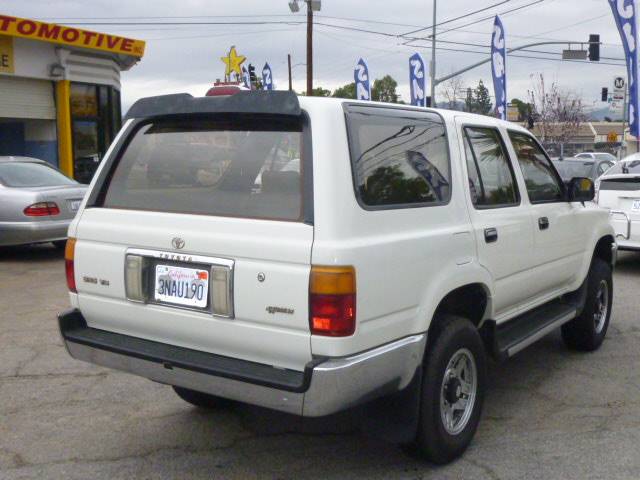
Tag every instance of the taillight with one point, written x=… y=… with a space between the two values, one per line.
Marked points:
x=332 y=301
x=42 y=209
x=69 y=253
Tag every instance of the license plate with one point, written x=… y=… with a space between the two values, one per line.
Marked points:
x=74 y=205
x=188 y=287
x=636 y=205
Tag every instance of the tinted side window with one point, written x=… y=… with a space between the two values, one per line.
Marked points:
x=491 y=180
x=543 y=183
x=398 y=158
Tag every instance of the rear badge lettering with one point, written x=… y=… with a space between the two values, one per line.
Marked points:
x=176 y=257
x=272 y=310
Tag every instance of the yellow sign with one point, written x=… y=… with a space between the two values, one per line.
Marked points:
x=233 y=62
x=6 y=54
x=50 y=32
x=612 y=137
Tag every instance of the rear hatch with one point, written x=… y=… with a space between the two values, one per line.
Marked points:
x=200 y=236
x=622 y=193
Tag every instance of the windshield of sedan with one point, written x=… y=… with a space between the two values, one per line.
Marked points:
x=630 y=166
x=30 y=174
x=569 y=169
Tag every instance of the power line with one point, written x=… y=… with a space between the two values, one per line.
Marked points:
x=485 y=18
x=456 y=18
x=265 y=22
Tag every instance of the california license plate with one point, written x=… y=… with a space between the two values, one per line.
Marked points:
x=188 y=287
x=636 y=205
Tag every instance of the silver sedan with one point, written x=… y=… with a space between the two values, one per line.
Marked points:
x=37 y=202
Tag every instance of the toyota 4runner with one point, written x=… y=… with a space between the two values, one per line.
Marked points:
x=309 y=255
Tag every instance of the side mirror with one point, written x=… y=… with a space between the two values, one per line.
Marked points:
x=581 y=189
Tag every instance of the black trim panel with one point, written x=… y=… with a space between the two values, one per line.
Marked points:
x=254 y=102
x=74 y=329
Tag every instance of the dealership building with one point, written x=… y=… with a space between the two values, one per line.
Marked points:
x=60 y=92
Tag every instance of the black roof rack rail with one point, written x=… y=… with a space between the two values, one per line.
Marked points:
x=251 y=102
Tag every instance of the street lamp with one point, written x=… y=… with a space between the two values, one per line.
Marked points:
x=312 y=6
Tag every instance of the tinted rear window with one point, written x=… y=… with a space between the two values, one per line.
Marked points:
x=241 y=169
x=399 y=157
x=26 y=174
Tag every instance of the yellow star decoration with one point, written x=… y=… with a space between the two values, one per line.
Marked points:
x=233 y=61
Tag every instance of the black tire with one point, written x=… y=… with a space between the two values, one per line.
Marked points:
x=60 y=244
x=586 y=332
x=433 y=441
x=200 y=399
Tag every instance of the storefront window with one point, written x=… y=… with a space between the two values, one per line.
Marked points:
x=95 y=118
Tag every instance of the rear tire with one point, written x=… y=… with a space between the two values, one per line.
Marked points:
x=452 y=391
x=586 y=332
x=200 y=399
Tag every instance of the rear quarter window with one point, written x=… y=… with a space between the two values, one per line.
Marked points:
x=399 y=157
x=248 y=168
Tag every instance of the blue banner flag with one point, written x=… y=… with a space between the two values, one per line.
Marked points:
x=267 y=79
x=498 y=68
x=361 y=77
x=417 y=80
x=624 y=13
x=246 y=80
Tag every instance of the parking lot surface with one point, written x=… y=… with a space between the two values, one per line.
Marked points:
x=549 y=413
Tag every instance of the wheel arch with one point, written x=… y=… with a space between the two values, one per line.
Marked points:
x=604 y=249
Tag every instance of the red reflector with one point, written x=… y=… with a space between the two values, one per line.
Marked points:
x=333 y=315
x=42 y=209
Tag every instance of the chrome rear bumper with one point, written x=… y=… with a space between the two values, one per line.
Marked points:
x=326 y=386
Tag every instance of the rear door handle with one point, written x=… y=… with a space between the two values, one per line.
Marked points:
x=490 y=235
x=543 y=223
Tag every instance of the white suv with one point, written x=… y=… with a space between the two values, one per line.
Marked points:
x=309 y=255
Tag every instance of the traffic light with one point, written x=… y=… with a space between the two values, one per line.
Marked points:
x=252 y=74
x=594 y=47
x=605 y=94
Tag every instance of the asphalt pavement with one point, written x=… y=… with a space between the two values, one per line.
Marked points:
x=549 y=413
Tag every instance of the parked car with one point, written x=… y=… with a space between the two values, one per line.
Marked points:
x=403 y=247
x=570 y=167
x=38 y=202
x=598 y=156
x=619 y=191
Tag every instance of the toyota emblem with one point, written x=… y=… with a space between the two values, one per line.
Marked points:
x=177 y=243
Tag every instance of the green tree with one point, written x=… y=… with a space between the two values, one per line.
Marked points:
x=320 y=92
x=478 y=100
x=384 y=90
x=524 y=108
x=346 y=91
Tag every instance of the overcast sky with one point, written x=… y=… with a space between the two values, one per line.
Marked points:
x=187 y=58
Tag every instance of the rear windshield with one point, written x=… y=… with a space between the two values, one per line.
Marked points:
x=569 y=169
x=27 y=174
x=240 y=169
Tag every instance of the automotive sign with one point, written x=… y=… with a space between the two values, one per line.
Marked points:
x=50 y=32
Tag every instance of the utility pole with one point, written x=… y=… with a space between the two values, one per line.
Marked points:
x=289 y=68
x=433 y=57
x=309 y=49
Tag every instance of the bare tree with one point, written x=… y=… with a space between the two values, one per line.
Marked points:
x=558 y=113
x=454 y=92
